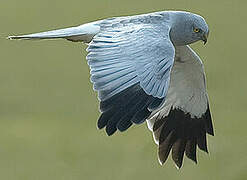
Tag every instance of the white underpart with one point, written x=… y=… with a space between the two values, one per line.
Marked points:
x=187 y=90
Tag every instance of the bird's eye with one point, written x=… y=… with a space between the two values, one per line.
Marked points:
x=196 y=30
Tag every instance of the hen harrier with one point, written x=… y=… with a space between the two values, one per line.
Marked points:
x=144 y=70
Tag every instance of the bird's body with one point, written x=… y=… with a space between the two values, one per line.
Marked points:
x=144 y=70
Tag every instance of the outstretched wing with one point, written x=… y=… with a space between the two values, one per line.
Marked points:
x=184 y=119
x=130 y=62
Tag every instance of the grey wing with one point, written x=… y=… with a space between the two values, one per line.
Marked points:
x=130 y=68
x=184 y=119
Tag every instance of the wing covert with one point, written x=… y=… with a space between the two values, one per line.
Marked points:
x=121 y=56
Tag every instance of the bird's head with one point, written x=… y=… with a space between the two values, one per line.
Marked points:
x=188 y=28
x=200 y=28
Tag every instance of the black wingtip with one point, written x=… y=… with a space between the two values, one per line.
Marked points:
x=128 y=107
x=110 y=132
x=178 y=149
x=182 y=133
x=202 y=142
x=103 y=119
x=208 y=122
x=190 y=150
x=124 y=124
x=165 y=147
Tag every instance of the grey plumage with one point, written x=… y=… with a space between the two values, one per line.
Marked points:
x=144 y=70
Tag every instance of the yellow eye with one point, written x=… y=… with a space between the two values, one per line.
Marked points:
x=196 y=30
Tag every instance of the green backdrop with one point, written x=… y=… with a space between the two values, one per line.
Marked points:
x=48 y=110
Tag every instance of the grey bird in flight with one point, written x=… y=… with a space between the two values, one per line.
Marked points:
x=145 y=71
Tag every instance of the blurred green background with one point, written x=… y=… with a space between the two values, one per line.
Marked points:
x=48 y=110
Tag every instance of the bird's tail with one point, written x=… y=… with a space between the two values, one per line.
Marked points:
x=82 y=33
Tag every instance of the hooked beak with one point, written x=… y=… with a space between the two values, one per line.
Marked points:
x=205 y=38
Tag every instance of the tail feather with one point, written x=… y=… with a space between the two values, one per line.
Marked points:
x=82 y=33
